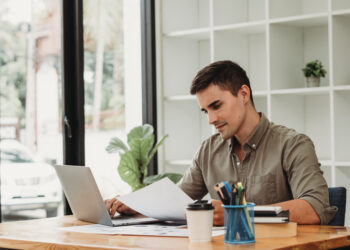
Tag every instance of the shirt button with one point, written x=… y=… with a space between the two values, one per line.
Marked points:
x=254 y=146
x=238 y=163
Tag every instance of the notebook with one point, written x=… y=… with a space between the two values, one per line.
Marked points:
x=267 y=210
x=282 y=217
x=85 y=199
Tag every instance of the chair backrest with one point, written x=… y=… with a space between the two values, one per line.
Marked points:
x=337 y=197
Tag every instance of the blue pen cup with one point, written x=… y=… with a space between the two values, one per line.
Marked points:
x=239 y=223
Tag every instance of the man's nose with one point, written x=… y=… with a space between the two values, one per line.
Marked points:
x=211 y=118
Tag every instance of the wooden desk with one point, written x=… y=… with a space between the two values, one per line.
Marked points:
x=44 y=234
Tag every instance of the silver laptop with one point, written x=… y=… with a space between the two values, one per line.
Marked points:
x=85 y=198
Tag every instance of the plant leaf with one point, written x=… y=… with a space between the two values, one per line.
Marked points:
x=154 y=150
x=116 y=145
x=140 y=149
x=314 y=68
x=140 y=132
x=174 y=177
x=129 y=171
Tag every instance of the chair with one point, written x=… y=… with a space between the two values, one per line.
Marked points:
x=337 y=197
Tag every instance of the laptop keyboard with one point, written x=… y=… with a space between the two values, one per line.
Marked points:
x=130 y=220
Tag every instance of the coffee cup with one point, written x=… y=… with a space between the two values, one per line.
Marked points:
x=199 y=217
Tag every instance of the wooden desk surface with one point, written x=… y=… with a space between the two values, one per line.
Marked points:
x=44 y=234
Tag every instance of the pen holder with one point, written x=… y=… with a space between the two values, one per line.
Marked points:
x=239 y=223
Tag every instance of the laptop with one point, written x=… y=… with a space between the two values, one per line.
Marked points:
x=85 y=199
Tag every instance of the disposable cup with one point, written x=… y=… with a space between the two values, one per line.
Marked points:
x=200 y=221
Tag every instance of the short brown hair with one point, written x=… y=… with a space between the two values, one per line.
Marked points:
x=225 y=74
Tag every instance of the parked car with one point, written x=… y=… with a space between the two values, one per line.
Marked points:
x=26 y=182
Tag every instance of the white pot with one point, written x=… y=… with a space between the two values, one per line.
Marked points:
x=312 y=81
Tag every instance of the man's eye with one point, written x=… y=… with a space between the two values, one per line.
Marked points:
x=205 y=112
x=217 y=106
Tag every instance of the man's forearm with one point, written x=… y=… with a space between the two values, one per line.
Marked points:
x=300 y=211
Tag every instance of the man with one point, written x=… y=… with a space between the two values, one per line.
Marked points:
x=276 y=165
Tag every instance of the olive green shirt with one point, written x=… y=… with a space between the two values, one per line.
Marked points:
x=279 y=165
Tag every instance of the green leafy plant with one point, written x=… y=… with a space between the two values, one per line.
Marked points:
x=314 y=69
x=135 y=157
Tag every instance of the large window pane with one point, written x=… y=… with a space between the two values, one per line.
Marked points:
x=112 y=84
x=31 y=138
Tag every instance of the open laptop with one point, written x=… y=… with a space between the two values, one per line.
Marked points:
x=86 y=201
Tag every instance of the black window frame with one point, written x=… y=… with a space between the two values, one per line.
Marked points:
x=73 y=120
x=149 y=77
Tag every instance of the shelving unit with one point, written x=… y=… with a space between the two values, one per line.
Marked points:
x=272 y=40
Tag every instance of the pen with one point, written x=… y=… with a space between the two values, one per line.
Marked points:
x=233 y=196
x=227 y=186
x=222 y=197
x=224 y=191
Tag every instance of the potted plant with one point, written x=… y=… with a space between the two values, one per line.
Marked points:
x=135 y=157
x=313 y=71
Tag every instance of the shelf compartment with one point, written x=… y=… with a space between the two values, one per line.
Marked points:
x=195 y=34
x=307 y=114
x=301 y=91
x=260 y=103
x=248 y=50
x=189 y=14
x=341 y=126
x=292 y=46
x=187 y=128
x=342 y=88
x=238 y=11
x=180 y=98
x=340 y=4
x=285 y=8
x=340 y=12
x=341 y=52
x=245 y=28
x=179 y=162
x=342 y=163
x=182 y=59
x=303 y=21
x=342 y=177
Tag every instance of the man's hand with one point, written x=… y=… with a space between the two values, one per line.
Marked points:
x=218 y=219
x=114 y=205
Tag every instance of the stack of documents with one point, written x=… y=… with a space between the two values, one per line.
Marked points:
x=162 y=200
x=267 y=214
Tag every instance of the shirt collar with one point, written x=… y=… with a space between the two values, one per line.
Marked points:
x=255 y=138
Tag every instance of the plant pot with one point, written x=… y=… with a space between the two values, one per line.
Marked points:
x=312 y=81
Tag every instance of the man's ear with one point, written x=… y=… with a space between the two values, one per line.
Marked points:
x=244 y=92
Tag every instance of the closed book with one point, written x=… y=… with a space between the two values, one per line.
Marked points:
x=275 y=230
x=267 y=210
x=282 y=217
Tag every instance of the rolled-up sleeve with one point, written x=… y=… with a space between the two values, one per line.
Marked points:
x=192 y=182
x=306 y=178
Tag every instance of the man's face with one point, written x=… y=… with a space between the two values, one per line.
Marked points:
x=225 y=111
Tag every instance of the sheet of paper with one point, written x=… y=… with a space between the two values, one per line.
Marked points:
x=150 y=229
x=161 y=200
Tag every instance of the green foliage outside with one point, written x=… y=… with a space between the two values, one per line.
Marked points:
x=314 y=69
x=12 y=71
x=135 y=157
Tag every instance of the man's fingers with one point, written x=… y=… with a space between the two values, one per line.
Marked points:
x=109 y=203
x=115 y=207
x=218 y=218
x=126 y=210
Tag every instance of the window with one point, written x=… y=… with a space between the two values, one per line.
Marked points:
x=30 y=97
x=32 y=101
x=112 y=77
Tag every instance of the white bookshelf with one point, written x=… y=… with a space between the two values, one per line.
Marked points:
x=272 y=40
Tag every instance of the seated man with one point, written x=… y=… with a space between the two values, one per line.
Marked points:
x=276 y=164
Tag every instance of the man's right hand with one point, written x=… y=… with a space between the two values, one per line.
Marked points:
x=218 y=218
x=114 y=205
